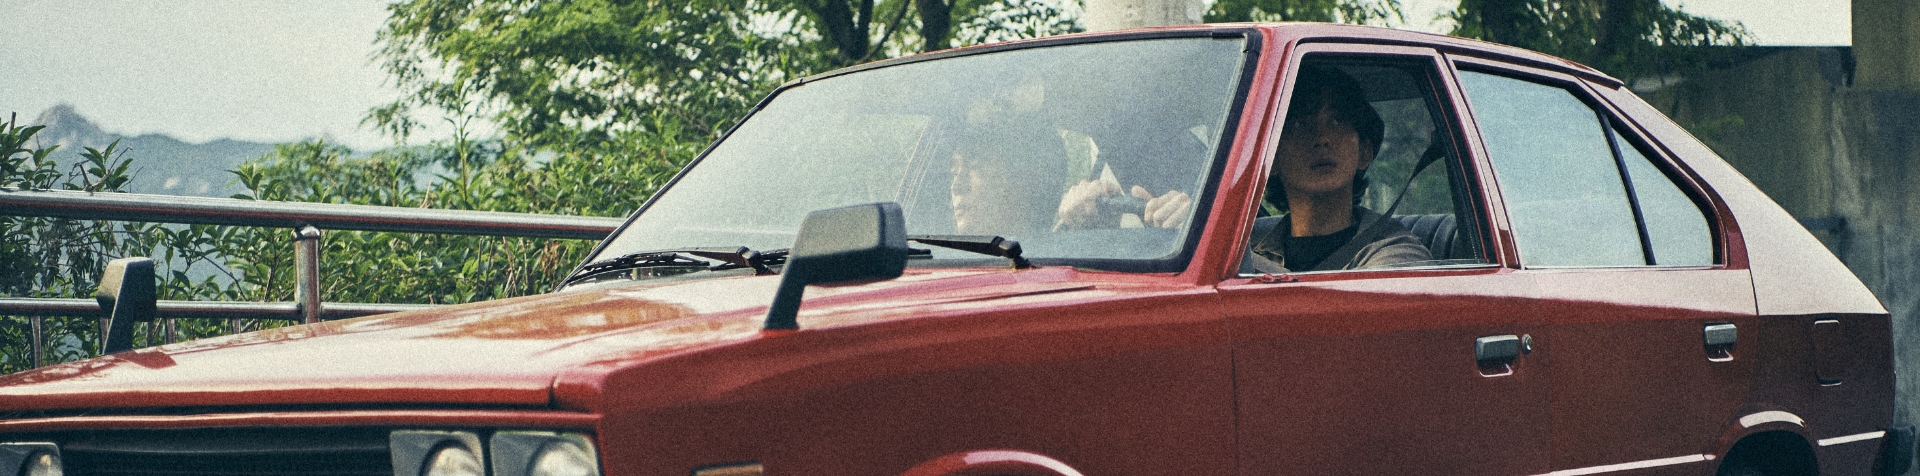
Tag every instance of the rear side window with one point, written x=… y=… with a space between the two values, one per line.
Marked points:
x=1677 y=232
x=1578 y=194
x=1556 y=170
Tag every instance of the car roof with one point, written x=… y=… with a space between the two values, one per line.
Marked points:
x=1281 y=33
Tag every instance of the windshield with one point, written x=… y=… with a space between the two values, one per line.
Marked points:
x=1086 y=154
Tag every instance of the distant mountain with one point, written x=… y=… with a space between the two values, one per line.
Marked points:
x=161 y=164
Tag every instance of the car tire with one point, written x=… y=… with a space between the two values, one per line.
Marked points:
x=1740 y=469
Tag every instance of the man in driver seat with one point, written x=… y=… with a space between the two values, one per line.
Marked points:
x=1319 y=174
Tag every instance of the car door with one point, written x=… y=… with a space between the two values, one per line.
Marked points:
x=1644 y=318
x=1416 y=369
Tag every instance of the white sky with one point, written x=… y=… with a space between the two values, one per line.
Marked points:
x=198 y=70
x=283 y=70
x=1772 y=22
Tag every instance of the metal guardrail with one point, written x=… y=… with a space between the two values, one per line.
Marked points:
x=306 y=219
x=328 y=216
x=288 y=311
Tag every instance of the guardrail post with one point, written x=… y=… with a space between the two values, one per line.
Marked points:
x=39 y=333
x=306 y=257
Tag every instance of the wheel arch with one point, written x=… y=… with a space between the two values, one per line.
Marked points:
x=1771 y=452
x=998 y=462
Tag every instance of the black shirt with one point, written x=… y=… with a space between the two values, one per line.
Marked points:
x=1306 y=252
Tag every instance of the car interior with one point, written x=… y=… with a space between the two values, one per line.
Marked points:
x=1417 y=177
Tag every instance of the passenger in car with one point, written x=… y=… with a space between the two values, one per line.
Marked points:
x=1148 y=160
x=1319 y=175
x=1005 y=190
x=1007 y=182
x=1080 y=207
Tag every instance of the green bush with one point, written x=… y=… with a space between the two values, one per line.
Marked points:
x=61 y=258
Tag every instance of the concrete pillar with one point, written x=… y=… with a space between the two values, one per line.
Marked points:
x=1886 y=44
x=1877 y=121
x=1103 y=15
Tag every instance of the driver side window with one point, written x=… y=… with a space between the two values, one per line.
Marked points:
x=1365 y=175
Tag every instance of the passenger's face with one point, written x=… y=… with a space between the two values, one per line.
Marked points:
x=987 y=199
x=1320 y=153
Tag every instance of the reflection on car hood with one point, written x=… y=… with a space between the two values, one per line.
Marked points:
x=503 y=353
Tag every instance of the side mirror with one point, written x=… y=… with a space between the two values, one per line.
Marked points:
x=840 y=245
x=128 y=295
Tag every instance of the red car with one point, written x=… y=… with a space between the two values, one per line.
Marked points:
x=1218 y=249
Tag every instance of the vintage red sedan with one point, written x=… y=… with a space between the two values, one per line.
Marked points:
x=1219 y=249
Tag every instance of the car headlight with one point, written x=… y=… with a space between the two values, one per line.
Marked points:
x=43 y=464
x=510 y=453
x=563 y=459
x=30 y=459
x=453 y=460
x=436 y=453
x=533 y=453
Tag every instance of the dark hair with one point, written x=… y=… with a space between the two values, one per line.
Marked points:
x=1030 y=156
x=1349 y=103
x=1034 y=154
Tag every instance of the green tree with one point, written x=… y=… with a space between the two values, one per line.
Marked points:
x=583 y=75
x=1629 y=39
x=1364 y=12
x=426 y=268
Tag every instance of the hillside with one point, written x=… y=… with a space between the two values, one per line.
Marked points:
x=161 y=164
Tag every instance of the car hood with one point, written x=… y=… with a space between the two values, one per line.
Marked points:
x=503 y=353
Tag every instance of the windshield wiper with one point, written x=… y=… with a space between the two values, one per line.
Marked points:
x=983 y=244
x=729 y=258
x=762 y=263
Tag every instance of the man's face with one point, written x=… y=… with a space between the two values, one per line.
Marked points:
x=1320 y=153
x=988 y=201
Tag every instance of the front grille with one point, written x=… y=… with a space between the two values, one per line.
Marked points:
x=237 y=452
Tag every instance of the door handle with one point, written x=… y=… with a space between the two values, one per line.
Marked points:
x=1719 y=339
x=1721 y=335
x=1496 y=349
x=1495 y=354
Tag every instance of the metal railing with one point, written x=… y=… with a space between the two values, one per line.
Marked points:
x=306 y=219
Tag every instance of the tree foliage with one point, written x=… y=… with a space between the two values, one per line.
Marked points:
x=402 y=267
x=61 y=258
x=427 y=268
x=587 y=75
x=1627 y=38
x=1362 y=12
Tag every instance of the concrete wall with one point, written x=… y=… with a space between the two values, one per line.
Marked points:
x=1887 y=33
x=1769 y=116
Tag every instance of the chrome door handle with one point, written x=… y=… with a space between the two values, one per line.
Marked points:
x=1719 y=339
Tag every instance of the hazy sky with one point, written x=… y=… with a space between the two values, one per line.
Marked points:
x=262 y=70
x=282 y=70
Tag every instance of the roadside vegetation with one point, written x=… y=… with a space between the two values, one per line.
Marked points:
x=588 y=107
